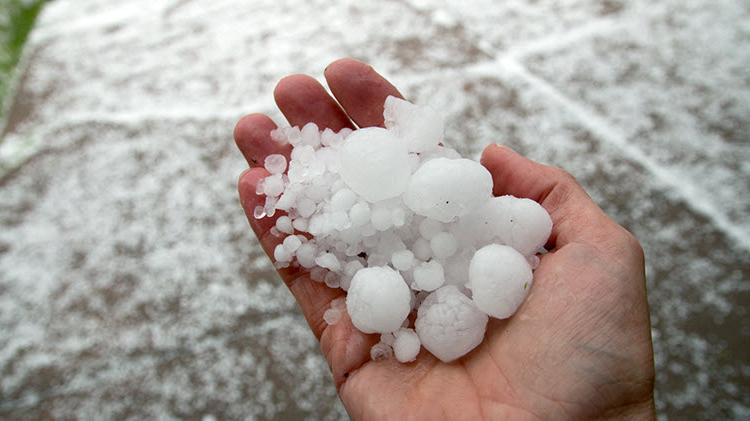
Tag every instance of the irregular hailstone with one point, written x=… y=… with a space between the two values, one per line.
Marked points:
x=420 y=127
x=375 y=164
x=378 y=300
x=406 y=345
x=499 y=279
x=449 y=324
x=444 y=189
x=429 y=276
x=520 y=223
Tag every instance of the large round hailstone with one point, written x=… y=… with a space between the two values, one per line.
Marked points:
x=378 y=300
x=375 y=164
x=420 y=127
x=525 y=225
x=520 y=223
x=444 y=189
x=449 y=324
x=499 y=278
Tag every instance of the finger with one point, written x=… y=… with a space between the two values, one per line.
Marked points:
x=252 y=134
x=345 y=348
x=360 y=90
x=575 y=217
x=302 y=99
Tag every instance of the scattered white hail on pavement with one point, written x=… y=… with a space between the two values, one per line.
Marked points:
x=405 y=225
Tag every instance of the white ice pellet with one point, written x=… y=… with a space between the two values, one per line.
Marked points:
x=343 y=200
x=380 y=352
x=449 y=325
x=429 y=276
x=406 y=345
x=422 y=249
x=499 y=278
x=352 y=267
x=359 y=214
x=443 y=245
x=318 y=274
x=375 y=164
x=281 y=254
x=332 y=316
x=420 y=127
x=284 y=224
x=402 y=260
x=310 y=135
x=332 y=280
x=275 y=163
x=328 y=261
x=292 y=243
x=520 y=223
x=526 y=226
x=300 y=224
x=428 y=228
x=306 y=207
x=381 y=218
x=378 y=300
x=444 y=189
x=306 y=255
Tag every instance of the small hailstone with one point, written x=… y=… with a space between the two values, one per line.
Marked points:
x=387 y=338
x=359 y=214
x=281 y=254
x=343 y=200
x=443 y=245
x=259 y=212
x=449 y=324
x=292 y=243
x=381 y=218
x=306 y=255
x=406 y=345
x=310 y=135
x=402 y=260
x=328 y=261
x=375 y=164
x=275 y=164
x=300 y=224
x=380 y=352
x=499 y=278
x=428 y=228
x=398 y=217
x=332 y=316
x=378 y=300
x=429 y=276
x=534 y=261
x=332 y=280
x=318 y=274
x=444 y=189
x=422 y=249
x=352 y=267
x=284 y=224
x=420 y=127
x=306 y=207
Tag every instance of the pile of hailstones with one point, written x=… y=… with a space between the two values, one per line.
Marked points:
x=403 y=224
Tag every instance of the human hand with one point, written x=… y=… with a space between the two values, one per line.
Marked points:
x=578 y=347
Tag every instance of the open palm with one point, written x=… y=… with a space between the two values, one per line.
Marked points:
x=579 y=346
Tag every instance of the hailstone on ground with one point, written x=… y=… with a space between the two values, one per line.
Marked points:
x=406 y=226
